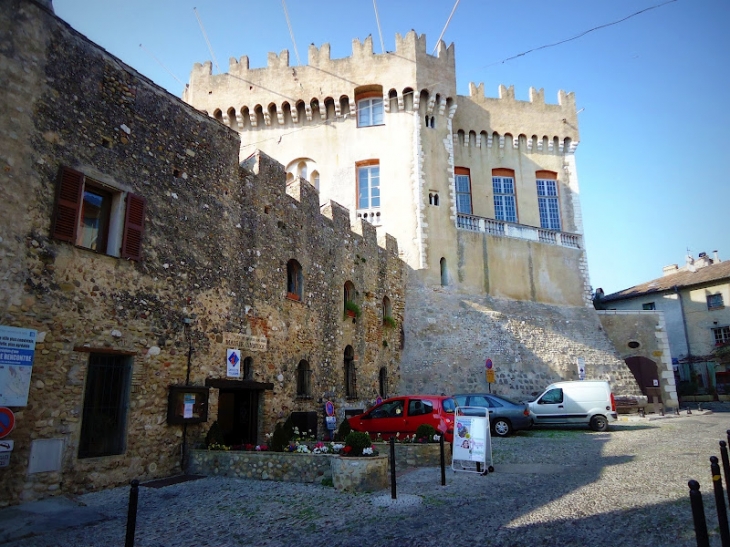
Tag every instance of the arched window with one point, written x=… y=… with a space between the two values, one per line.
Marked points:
x=304 y=380
x=387 y=313
x=383 y=382
x=350 y=379
x=315 y=179
x=351 y=309
x=302 y=168
x=248 y=368
x=444 y=273
x=294 y=280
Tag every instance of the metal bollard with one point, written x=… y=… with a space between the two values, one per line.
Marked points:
x=392 y=468
x=698 y=514
x=443 y=461
x=720 y=502
x=676 y=410
x=725 y=466
x=132 y=514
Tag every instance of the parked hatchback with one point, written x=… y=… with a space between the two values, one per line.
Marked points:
x=505 y=415
x=402 y=415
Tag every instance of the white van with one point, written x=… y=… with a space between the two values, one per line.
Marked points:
x=588 y=402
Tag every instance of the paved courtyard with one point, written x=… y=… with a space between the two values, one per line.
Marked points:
x=550 y=487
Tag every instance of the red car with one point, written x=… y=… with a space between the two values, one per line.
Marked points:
x=402 y=416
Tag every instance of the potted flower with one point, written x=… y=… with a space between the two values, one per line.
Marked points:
x=359 y=467
x=352 y=309
x=358 y=444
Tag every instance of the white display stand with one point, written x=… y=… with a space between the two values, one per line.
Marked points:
x=472 y=449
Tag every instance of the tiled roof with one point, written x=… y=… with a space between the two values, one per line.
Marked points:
x=701 y=276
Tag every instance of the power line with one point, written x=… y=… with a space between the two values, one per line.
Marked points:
x=581 y=34
x=210 y=48
x=380 y=33
x=291 y=32
x=163 y=66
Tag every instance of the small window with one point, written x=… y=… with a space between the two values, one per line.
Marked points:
x=368 y=185
x=444 y=273
x=648 y=306
x=93 y=216
x=370 y=111
x=304 y=379
x=350 y=379
x=503 y=185
x=104 y=414
x=715 y=302
x=721 y=335
x=634 y=344
x=350 y=307
x=463 y=190
x=388 y=312
x=433 y=199
x=294 y=280
x=547 y=200
x=248 y=368
x=383 y=382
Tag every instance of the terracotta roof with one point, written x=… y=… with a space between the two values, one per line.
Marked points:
x=701 y=276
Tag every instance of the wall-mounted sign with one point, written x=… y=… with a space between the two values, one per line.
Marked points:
x=581 y=368
x=187 y=404
x=490 y=371
x=6 y=447
x=329 y=408
x=17 y=349
x=245 y=342
x=233 y=363
x=7 y=421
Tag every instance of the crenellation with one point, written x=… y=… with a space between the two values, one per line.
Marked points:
x=278 y=61
x=537 y=95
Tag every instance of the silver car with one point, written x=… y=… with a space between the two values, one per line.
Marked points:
x=505 y=415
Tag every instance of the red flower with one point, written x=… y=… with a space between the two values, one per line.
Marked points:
x=347 y=450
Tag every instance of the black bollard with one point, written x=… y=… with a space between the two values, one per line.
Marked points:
x=443 y=460
x=725 y=466
x=720 y=502
x=132 y=513
x=392 y=468
x=698 y=514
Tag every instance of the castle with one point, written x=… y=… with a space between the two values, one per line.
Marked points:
x=481 y=194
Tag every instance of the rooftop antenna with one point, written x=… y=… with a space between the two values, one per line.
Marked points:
x=446 y=25
x=291 y=32
x=210 y=48
x=380 y=33
x=163 y=66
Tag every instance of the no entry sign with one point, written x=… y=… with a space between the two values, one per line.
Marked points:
x=7 y=421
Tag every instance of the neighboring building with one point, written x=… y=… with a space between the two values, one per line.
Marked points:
x=694 y=301
x=136 y=252
x=481 y=194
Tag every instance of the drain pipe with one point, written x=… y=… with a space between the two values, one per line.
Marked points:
x=684 y=320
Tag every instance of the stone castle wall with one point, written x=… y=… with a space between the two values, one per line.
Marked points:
x=217 y=238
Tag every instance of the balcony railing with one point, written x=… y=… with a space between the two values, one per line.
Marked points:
x=519 y=231
x=373 y=216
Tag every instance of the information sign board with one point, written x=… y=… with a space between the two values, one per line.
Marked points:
x=17 y=349
x=472 y=448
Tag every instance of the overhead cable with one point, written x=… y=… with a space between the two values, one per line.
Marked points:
x=581 y=34
x=291 y=32
x=380 y=32
x=163 y=66
x=446 y=25
x=210 y=48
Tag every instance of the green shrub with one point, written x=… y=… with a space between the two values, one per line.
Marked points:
x=357 y=441
x=352 y=307
x=282 y=435
x=343 y=430
x=389 y=322
x=425 y=433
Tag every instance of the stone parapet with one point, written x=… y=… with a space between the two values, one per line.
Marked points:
x=264 y=466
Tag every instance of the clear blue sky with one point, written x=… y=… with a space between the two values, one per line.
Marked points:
x=654 y=89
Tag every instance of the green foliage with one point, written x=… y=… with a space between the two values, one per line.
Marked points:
x=352 y=307
x=214 y=436
x=282 y=435
x=389 y=322
x=343 y=430
x=357 y=441
x=327 y=481
x=425 y=431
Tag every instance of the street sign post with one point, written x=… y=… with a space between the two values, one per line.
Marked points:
x=490 y=373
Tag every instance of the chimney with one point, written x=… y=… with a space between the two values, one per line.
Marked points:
x=669 y=270
x=716 y=257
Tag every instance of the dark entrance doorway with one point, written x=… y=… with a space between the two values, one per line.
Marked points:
x=645 y=372
x=238 y=415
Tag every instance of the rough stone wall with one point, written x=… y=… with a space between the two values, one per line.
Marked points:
x=647 y=331
x=216 y=238
x=449 y=336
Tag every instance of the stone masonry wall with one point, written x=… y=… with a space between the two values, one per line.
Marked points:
x=216 y=241
x=450 y=335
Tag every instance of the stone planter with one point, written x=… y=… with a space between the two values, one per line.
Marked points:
x=416 y=454
x=366 y=474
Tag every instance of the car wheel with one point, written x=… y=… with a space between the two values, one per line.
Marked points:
x=599 y=423
x=502 y=427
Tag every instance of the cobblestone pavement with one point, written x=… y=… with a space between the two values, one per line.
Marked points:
x=573 y=488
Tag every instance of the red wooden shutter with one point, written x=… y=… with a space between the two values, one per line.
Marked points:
x=68 y=205
x=133 y=227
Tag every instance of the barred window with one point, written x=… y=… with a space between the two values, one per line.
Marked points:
x=304 y=380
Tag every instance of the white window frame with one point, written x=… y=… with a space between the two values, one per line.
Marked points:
x=505 y=205
x=370 y=112
x=368 y=186
x=463 y=196
x=548 y=204
x=721 y=335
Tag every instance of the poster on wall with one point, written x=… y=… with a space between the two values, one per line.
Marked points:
x=233 y=360
x=17 y=349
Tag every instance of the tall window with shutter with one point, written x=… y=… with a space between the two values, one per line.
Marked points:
x=94 y=216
